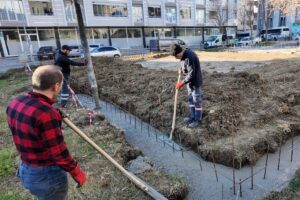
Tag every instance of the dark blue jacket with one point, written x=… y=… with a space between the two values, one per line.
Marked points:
x=191 y=69
x=63 y=61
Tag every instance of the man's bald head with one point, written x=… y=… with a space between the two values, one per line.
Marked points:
x=46 y=76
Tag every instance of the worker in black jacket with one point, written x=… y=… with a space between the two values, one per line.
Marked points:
x=62 y=60
x=193 y=79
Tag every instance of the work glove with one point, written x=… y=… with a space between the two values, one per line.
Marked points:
x=179 y=85
x=78 y=175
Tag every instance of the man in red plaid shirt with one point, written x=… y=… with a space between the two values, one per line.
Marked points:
x=37 y=134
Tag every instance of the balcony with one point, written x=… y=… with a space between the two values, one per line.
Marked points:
x=41 y=8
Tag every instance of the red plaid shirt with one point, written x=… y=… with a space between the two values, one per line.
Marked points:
x=36 y=129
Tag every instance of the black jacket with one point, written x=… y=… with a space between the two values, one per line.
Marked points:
x=63 y=61
x=191 y=69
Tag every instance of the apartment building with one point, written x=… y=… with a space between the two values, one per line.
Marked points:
x=275 y=18
x=121 y=23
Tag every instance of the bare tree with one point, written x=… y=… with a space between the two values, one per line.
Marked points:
x=285 y=6
x=84 y=43
x=247 y=14
x=219 y=15
x=219 y=12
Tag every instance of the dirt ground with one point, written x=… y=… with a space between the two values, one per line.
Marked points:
x=104 y=181
x=253 y=107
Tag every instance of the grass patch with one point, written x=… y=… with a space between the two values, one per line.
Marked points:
x=8 y=161
x=294 y=185
x=292 y=192
x=216 y=49
x=12 y=196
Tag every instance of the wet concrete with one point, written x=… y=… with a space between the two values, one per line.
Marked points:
x=201 y=175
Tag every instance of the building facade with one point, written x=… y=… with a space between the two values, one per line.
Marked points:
x=275 y=18
x=121 y=23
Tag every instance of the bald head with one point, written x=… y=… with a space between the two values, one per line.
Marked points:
x=46 y=76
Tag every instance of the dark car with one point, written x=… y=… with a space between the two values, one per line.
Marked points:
x=46 y=53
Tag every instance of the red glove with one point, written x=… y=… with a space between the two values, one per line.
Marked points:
x=78 y=175
x=179 y=85
x=85 y=62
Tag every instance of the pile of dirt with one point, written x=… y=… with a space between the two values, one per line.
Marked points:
x=245 y=112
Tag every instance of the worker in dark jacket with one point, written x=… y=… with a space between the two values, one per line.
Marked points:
x=62 y=60
x=193 y=79
x=37 y=134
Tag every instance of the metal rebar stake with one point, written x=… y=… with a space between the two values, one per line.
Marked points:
x=252 y=176
x=279 y=154
x=173 y=147
x=266 y=163
x=292 y=150
x=241 y=194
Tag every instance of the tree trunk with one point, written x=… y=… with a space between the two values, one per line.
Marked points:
x=84 y=44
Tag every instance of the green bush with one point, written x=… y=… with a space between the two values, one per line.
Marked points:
x=7 y=162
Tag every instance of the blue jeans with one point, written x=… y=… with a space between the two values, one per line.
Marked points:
x=47 y=183
x=195 y=103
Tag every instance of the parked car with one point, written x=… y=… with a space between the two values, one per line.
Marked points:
x=75 y=51
x=93 y=46
x=46 y=53
x=106 y=51
x=249 y=41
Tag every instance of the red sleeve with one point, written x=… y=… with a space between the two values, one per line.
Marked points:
x=50 y=129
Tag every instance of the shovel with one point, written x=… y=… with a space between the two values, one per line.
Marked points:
x=175 y=106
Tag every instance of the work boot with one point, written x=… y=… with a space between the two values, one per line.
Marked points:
x=194 y=124
x=187 y=120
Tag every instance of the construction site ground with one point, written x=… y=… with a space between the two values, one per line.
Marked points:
x=104 y=181
x=251 y=99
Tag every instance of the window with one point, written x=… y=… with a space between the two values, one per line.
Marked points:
x=40 y=7
x=67 y=34
x=118 y=33
x=134 y=33
x=171 y=15
x=154 y=12
x=119 y=10
x=137 y=12
x=185 y=13
x=10 y=10
x=170 y=1
x=45 y=35
x=200 y=16
x=282 y=20
x=200 y=2
x=180 y=32
x=212 y=14
x=70 y=12
x=100 y=33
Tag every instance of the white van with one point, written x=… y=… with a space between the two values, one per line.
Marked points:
x=165 y=44
x=213 y=41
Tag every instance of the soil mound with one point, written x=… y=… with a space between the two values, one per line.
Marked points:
x=245 y=112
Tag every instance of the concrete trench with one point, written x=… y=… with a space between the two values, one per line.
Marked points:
x=205 y=180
